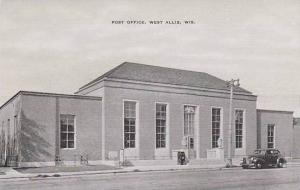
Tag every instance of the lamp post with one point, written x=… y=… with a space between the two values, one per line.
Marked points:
x=232 y=83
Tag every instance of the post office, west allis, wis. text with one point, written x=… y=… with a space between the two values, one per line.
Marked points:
x=153 y=22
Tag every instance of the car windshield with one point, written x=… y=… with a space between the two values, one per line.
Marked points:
x=259 y=152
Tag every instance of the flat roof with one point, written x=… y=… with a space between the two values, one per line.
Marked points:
x=32 y=93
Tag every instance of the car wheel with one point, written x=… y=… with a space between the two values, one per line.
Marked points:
x=280 y=165
x=244 y=167
x=258 y=166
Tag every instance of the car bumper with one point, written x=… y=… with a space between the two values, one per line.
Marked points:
x=247 y=165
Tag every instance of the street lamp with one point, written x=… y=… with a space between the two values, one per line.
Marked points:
x=232 y=83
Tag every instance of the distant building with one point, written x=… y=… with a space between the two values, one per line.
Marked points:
x=296 y=141
x=275 y=130
x=139 y=112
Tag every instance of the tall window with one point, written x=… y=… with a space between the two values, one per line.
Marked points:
x=129 y=124
x=67 y=131
x=189 y=123
x=161 y=122
x=2 y=143
x=239 y=122
x=216 y=126
x=8 y=143
x=271 y=135
x=15 y=132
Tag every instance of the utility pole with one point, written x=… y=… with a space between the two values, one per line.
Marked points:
x=232 y=83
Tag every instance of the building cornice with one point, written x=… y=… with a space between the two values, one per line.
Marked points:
x=31 y=93
x=165 y=85
x=60 y=95
x=275 y=111
x=9 y=100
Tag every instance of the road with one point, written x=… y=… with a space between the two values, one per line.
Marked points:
x=284 y=178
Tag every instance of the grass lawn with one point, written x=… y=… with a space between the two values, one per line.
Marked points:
x=57 y=169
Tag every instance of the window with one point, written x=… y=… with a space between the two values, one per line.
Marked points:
x=189 y=123
x=2 y=143
x=67 y=131
x=8 y=140
x=216 y=126
x=191 y=142
x=3 y=134
x=8 y=131
x=129 y=124
x=161 y=122
x=15 y=132
x=271 y=135
x=239 y=122
x=15 y=124
x=8 y=125
x=2 y=128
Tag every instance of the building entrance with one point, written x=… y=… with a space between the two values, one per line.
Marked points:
x=189 y=128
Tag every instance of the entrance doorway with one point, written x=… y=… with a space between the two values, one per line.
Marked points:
x=189 y=130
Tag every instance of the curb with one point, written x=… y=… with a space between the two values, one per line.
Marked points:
x=123 y=172
x=43 y=176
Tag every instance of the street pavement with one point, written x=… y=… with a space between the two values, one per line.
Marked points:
x=233 y=178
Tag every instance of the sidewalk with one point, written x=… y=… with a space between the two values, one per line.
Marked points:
x=12 y=174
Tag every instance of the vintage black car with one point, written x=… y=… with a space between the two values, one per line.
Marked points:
x=262 y=158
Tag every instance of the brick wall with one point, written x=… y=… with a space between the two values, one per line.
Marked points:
x=283 y=122
x=296 y=141
x=38 y=123
x=9 y=129
x=147 y=95
x=40 y=118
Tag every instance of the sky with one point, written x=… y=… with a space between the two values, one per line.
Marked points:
x=58 y=45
